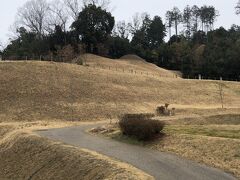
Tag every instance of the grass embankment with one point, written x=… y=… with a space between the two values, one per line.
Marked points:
x=24 y=155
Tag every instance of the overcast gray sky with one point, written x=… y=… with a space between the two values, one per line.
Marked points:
x=125 y=9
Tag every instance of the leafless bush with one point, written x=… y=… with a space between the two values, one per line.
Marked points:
x=140 y=126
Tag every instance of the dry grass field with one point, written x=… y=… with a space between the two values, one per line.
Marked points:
x=36 y=95
x=33 y=91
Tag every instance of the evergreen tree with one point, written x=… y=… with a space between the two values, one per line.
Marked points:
x=176 y=18
x=94 y=25
x=187 y=15
x=156 y=32
x=169 y=22
x=195 y=18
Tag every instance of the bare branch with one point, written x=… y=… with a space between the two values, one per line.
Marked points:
x=238 y=8
x=57 y=16
x=122 y=29
x=136 y=23
x=33 y=16
x=1 y=46
x=74 y=7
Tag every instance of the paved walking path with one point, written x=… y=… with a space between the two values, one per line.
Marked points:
x=162 y=166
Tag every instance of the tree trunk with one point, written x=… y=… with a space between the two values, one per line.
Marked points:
x=196 y=24
x=170 y=34
x=176 y=28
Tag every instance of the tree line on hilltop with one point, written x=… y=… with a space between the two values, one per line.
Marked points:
x=68 y=28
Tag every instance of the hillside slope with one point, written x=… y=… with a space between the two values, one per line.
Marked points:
x=56 y=91
x=43 y=92
x=128 y=64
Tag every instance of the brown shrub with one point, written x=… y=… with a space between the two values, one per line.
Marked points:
x=160 y=110
x=140 y=126
x=164 y=111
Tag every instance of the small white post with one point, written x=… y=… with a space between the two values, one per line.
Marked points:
x=199 y=77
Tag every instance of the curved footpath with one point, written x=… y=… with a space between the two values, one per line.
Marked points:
x=158 y=164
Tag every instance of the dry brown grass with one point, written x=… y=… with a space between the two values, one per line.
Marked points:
x=132 y=57
x=209 y=136
x=216 y=152
x=27 y=156
x=32 y=91
x=128 y=64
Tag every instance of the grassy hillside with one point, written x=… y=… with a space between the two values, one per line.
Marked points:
x=57 y=91
x=44 y=92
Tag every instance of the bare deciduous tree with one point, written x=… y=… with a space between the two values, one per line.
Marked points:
x=33 y=16
x=122 y=29
x=1 y=46
x=58 y=15
x=137 y=21
x=74 y=7
x=238 y=8
x=13 y=34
